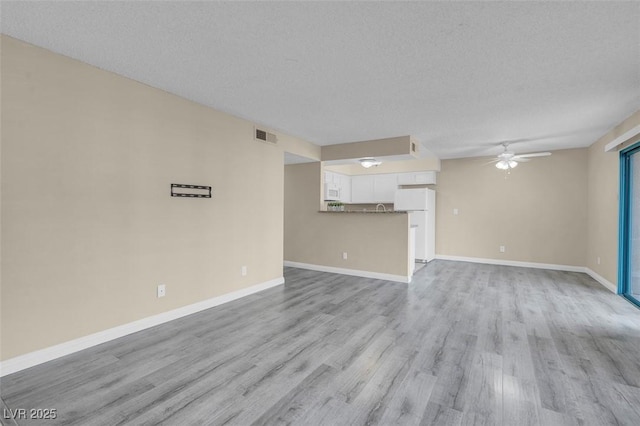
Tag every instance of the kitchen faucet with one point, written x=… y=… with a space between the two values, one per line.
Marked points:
x=384 y=209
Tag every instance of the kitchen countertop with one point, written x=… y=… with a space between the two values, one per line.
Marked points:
x=366 y=212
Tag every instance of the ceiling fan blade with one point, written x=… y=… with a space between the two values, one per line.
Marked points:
x=534 y=154
x=519 y=159
x=495 y=160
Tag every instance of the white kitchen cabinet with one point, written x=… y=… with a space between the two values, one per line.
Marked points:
x=345 y=188
x=362 y=189
x=417 y=178
x=379 y=188
x=384 y=187
x=372 y=189
x=331 y=177
x=341 y=182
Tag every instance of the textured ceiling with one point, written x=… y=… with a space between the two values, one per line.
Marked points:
x=459 y=77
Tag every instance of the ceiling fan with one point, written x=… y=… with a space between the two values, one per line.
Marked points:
x=508 y=160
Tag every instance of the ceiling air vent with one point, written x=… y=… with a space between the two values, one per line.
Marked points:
x=264 y=136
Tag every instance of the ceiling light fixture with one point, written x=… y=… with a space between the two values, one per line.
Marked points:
x=369 y=162
x=506 y=164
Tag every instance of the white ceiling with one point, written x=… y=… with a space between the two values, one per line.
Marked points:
x=458 y=76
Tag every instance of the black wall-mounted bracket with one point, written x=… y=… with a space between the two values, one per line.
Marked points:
x=190 y=191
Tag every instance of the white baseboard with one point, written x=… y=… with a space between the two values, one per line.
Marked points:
x=608 y=285
x=353 y=272
x=551 y=266
x=47 y=354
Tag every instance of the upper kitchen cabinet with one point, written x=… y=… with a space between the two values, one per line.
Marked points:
x=331 y=177
x=337 y=187
x=345 y=188
x=417 y=178
x=384 y=187
x=362 y=189
x=369 y=189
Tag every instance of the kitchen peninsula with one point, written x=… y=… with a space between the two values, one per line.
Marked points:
x=365 y=211
x=357 y=241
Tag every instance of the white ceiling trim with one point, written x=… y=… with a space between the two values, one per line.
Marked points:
x=622 y=139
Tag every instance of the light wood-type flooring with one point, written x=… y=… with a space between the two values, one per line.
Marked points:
x=463 y=344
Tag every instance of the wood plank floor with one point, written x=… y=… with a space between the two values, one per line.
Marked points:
x=463 y=344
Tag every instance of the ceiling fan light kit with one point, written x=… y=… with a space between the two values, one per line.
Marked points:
x=506 y=165
x=508 y=160
x=369 y=162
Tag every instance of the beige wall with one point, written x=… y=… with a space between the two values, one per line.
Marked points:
x=539 y=211
x=298 y=146
x=88 y=227
x=603 y=185
x=89 y=230
x=1 y=221
x=374 y=242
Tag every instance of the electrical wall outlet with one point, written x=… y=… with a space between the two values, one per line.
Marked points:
x=344 y=255
x=503 y=249
x=455 y=212
x=161 y=290
x=598 y=260
x=243 y=271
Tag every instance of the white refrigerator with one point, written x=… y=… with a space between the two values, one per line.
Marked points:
x=420 y=203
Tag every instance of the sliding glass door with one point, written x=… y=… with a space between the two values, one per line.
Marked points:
x=629 y=271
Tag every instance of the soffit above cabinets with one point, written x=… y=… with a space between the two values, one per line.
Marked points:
x=387 y=149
